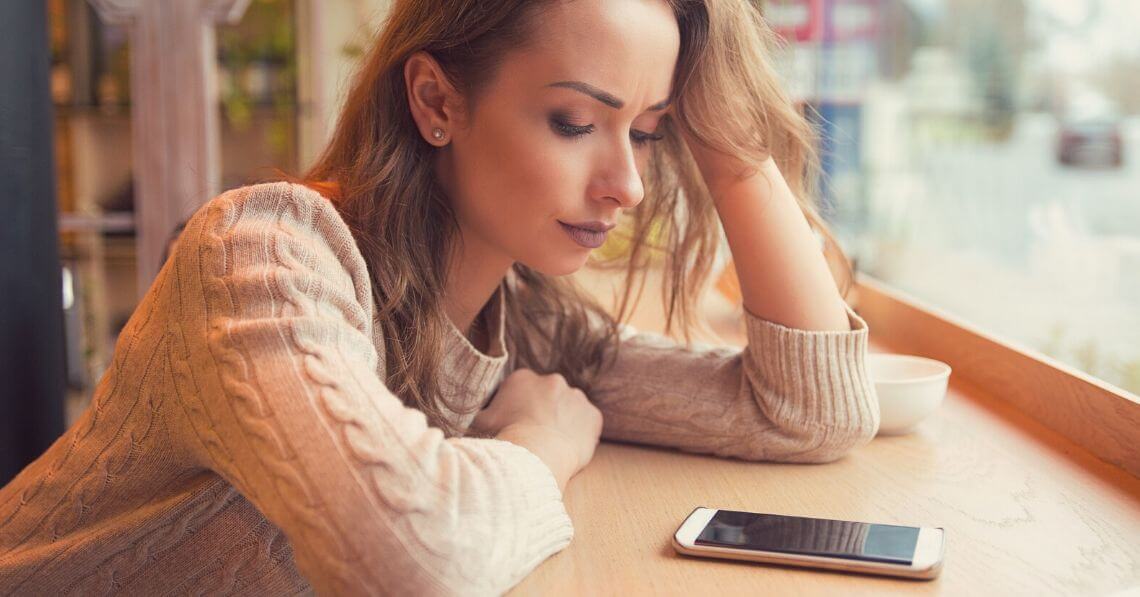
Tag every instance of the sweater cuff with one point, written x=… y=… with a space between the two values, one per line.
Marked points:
x=547 y=528
x=814 y=378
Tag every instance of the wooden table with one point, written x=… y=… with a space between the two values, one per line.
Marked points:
x=1025 y=510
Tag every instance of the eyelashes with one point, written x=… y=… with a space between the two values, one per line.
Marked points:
x=566 y=129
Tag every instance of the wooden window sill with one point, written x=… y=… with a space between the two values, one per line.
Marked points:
x=1006 y=377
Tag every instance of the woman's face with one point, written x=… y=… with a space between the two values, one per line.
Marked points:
x=541 y=151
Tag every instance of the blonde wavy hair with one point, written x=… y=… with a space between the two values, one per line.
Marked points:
x=376 y=169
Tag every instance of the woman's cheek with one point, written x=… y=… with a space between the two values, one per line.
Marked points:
x=565 y=165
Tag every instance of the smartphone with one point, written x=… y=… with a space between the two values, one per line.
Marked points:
x=871 y=548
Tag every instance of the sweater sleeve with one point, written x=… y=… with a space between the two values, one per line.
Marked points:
x=288 y=407
x=789 y=395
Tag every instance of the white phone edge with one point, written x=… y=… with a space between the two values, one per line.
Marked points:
x=927 y=564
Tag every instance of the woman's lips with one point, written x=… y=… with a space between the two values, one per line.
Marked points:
x=587 y=238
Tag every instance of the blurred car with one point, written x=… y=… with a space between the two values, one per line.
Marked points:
x=1093 y=143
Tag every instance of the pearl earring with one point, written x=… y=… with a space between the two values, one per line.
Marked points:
x=437 y=133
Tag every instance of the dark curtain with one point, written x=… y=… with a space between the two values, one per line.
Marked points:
x=32 y=367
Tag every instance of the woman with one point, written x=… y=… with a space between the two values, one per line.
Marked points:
x=300 y=401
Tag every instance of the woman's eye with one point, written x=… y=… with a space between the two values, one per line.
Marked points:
x=569 y=130
x=640 y=138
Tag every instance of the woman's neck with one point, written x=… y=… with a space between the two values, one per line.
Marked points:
x=471 y=283
x=475 y=327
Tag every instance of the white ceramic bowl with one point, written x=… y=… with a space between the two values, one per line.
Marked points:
x=909 y=387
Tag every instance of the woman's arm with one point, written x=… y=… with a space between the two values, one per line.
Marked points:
x=789 y=395
x=783 y=275
x=799 y=390
x=277 y=373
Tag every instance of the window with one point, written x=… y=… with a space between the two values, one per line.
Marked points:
x=983 y=157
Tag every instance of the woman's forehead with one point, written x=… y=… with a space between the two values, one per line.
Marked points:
x=627 y=48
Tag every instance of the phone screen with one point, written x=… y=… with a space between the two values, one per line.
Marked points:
x=811 y=536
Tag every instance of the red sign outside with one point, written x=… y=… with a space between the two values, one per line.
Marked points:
x=797 y=21
x=833 y=21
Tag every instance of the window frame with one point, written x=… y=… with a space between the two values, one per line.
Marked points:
x=1088 y=411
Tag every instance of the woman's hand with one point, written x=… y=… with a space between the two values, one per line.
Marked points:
x=548 y=417
x=719 y=170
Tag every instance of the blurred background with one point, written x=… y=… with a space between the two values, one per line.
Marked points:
x=979 y=155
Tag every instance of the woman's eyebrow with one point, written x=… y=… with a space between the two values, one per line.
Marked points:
x=606 y=98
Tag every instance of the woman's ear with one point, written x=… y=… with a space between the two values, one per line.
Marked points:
x=433 y=100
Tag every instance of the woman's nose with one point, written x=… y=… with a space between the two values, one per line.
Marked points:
x=620 y=179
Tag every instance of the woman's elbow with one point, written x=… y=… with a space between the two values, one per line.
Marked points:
x=828 y=443
x=850 y=421
x=814 y=443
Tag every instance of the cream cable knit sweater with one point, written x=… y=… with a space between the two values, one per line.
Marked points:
x=242 y=440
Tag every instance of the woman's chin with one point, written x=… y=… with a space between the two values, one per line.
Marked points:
x=563 y=265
